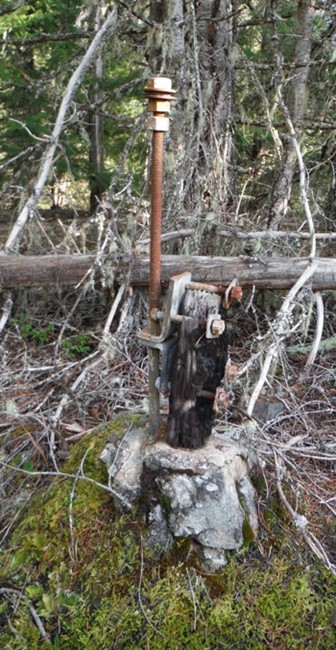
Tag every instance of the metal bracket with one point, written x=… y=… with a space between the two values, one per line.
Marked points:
x=175 y=294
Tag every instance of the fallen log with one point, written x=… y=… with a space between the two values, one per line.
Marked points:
x=43 y=270
x=263 y=273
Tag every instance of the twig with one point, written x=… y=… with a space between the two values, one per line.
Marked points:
x=35 y=444
x=302 y=170
x=37 y=621
x=6 y=311
x=48 y=156
x=66 y=398
x=232 y=231
x=25 y=127
x=59 y=474
x=301 y=522
x=193 y=599
x=80 y=472
x=139 y=591
x=304 y=277
x=15 y=592
x=271 y=355
x=168 y=236
x=318 y=330
x=113 y=310
x=278 y=329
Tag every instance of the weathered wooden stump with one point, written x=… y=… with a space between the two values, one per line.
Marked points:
x=197 y=370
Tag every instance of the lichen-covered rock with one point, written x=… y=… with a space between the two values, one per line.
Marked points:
x=124 y=466
x=204 y=494
x=159 y=534
x=209 y=494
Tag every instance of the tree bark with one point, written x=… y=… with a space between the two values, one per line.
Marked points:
x=267 y=273
x=96 y=123
x=194 y=43
x=296 y=105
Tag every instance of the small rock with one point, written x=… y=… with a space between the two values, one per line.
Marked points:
x=158 y=531
x=212 y=559
x=267 y=409
x=124 y=465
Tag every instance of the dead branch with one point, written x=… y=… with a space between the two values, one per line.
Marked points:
x=47 y=159
x=70 y=270
x=279 y=330
x=301 y=522
x=7 y=591
x=232 y=231
x=6 y=311
x=318 y=330
x=302 y=172
x=168 y=236
x=81 y=477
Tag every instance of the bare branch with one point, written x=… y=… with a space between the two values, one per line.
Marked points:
x=7 y=591
x=301 y=522
x=231 y=231
x=278 y=329
x=59 y=474
x=6 y=311
x=318 y=330
x=144 y=613
x=13 y=6
x=47 y=160
x=46 y=38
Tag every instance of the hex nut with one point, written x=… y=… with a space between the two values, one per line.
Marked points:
x=217 y=327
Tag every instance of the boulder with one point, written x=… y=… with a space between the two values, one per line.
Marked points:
x=203 y=494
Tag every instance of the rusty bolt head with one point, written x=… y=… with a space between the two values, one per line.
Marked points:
x=160 y=94
x=217 y=327
x=156 y=314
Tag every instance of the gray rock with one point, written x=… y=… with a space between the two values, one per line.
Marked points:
x=124 y=466
x=212 y=559
x=159 y=535
x=204 y=494
x=209 y=492
x=268 y=408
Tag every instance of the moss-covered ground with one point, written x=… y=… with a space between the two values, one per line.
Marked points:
x=85 y=570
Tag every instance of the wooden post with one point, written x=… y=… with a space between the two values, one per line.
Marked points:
x=198 y=369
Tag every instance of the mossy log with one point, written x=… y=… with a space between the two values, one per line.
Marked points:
x=263 y=273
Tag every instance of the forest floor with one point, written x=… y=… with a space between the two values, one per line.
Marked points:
x=75 y=573
x=65 y=379
x=61 y=377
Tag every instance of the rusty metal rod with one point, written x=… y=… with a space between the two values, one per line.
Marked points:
x=154 y=291
x=156 y=224
x=160 y=94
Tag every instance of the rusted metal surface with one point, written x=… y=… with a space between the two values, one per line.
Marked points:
x=215 y=326
x=160 y=95
x=156 y=224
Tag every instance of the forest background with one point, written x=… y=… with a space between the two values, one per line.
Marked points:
x=250 y=162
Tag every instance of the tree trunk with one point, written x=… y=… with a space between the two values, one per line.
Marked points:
x=95 y=128
x=296 y=104
x=267 y=273
x=193 y=43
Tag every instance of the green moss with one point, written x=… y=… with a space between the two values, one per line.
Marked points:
x=94 y=585
x=248 y=533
